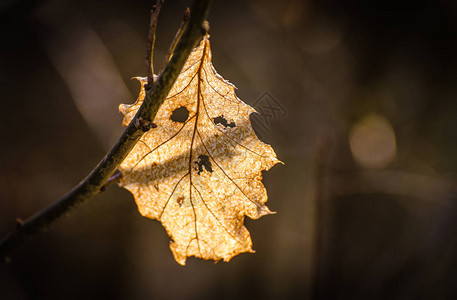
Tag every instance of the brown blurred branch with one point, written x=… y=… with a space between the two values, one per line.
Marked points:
x=321 y=160
x=93 y=183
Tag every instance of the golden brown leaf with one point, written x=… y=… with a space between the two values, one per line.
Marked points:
x=199 y=174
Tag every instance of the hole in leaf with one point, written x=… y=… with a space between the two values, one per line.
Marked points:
x=180 y=115
x=221 y=120
x=203 y=161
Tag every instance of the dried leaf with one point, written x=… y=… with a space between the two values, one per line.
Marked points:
x=199 y=171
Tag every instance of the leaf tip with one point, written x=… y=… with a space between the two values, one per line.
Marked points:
x=264 y=210
x=179 y=257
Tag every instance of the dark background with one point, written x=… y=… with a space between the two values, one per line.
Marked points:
x=366 y=201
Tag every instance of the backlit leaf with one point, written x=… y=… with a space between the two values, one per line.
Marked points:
x=199 y=170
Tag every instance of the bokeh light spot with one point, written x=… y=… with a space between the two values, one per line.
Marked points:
x=373 y=142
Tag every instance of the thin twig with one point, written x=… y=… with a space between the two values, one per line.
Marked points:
x=116 y=176
x=321 y=161
x=97 y=178
x=178 y=35
x=194 y=31
x=155 y=11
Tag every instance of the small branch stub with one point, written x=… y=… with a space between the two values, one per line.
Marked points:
x=19 y=222
x=205 y=28
x=144 y=125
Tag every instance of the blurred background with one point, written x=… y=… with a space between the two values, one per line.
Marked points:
x=366 y=200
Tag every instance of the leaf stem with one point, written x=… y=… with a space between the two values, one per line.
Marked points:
x=178 y=35
x=151 y=40
x=98 y=177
